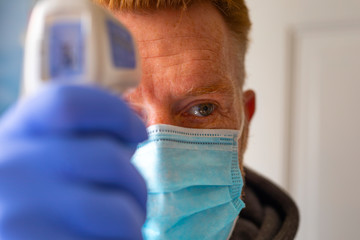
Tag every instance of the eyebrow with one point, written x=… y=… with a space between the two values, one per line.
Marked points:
x=213 y=89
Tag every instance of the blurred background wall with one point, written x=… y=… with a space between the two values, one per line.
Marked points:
x=14 y=15
x=304 y=64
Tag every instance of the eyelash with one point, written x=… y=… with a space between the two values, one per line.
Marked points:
x=188 y=113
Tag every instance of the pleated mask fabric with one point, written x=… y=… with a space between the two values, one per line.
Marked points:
x=194 y=182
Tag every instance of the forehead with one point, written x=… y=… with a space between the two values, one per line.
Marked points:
x=193 y=44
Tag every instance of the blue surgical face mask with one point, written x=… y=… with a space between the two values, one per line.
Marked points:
x=194 y=182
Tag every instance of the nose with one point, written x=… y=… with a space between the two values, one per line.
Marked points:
x=156 y=115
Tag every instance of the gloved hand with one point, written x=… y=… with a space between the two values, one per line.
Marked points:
x=65 y=170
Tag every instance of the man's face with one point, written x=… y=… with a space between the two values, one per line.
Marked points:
x=190 y=71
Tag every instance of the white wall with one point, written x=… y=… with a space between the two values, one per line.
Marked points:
x=267 y=68
x=269 y=73
x=304 y=65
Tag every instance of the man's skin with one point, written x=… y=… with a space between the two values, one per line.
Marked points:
x=188 y=64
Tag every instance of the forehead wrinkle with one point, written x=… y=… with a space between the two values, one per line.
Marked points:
x=182 y=52
x=186 y=70
x=165 y=47
x=199 y=37
x=186 y=59
x=204 y=61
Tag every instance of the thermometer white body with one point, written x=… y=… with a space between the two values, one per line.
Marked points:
x=78 y=42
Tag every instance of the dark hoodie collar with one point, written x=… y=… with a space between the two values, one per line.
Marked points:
x=269 y=213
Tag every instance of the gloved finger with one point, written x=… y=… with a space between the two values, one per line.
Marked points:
x=106 y=214
x=93 y=162
x=31 y=226
x=75 y=213
x=65 y=109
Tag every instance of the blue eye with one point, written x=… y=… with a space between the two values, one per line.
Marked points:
x=202 y=110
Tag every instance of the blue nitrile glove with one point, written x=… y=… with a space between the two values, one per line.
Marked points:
x=65 y=170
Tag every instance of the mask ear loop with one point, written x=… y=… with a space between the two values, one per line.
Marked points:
x=242 y=125
x=240 y=132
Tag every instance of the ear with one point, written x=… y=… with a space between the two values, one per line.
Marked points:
x=249 y=98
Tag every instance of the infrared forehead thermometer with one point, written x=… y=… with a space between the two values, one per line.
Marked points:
x=78 y=42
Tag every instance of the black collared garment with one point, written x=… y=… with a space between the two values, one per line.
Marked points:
x=269 y=213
